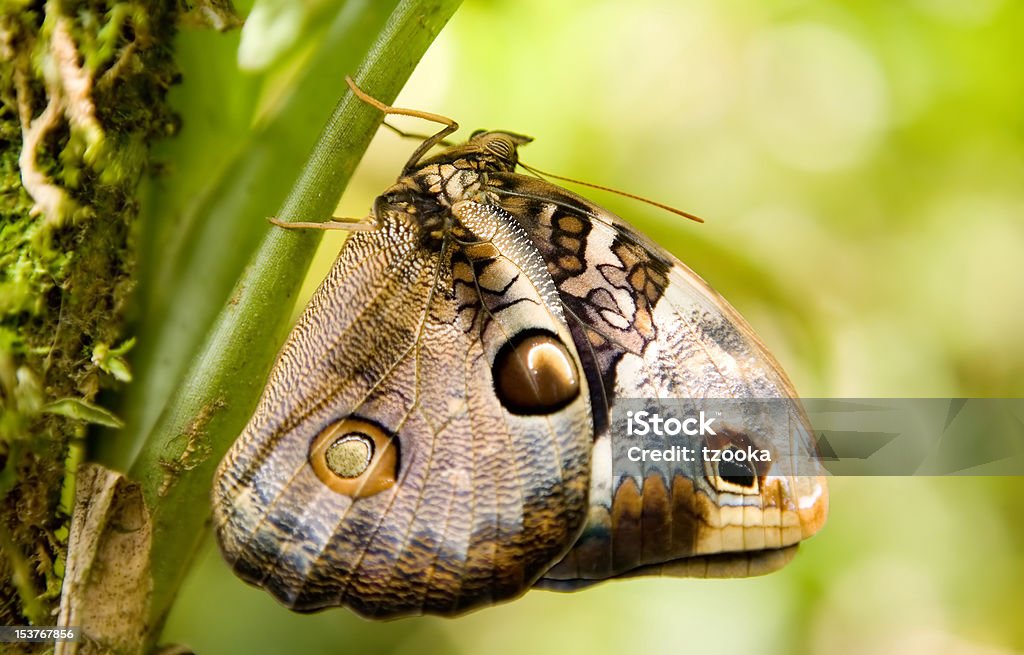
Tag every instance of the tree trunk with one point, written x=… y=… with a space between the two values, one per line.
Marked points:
x=83 y=87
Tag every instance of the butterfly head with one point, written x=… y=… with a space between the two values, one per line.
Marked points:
x=485 y=150
x=499 y=143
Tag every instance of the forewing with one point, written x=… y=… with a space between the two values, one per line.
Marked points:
x=400 y=343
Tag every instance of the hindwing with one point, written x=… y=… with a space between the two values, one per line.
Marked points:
x=646 y=326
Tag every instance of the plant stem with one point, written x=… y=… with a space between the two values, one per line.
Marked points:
x=176 y=464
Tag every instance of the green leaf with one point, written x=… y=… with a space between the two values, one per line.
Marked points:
x=83 y=410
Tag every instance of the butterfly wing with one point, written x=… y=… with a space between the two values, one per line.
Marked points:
x=432 y=428
x=646 y=326
x=402 y=459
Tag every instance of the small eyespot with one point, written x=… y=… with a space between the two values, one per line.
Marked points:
x=355 y=457
x=732 y=476
x=739 y=473
x=534 y=373
x=732 y=470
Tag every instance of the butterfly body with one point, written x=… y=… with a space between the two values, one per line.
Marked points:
x=435 y=435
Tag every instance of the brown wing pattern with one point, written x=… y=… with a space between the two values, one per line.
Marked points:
x=436 y=433
x=395 y=355
x=646 y=326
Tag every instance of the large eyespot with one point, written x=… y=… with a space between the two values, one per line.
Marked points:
x=733 y=464
x=534 y=373
x=355 y=457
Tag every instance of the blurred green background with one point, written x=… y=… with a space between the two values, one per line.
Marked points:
x=861 y=170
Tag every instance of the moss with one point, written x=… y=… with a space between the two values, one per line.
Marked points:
x=82 y=89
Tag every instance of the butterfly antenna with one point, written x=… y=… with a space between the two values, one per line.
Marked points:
x=654 y=203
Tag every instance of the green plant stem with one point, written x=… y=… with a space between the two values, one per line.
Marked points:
x=262 y=133
x=176 y=464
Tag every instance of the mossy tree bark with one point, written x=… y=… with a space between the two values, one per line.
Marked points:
x=82 y=88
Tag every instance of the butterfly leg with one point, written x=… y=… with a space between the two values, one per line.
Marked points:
x=344 y=223
x=449 y=124
x=412 y=135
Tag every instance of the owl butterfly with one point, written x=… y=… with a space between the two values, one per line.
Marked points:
x=435 y=434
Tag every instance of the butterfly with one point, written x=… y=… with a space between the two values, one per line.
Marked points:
x=436 y=433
